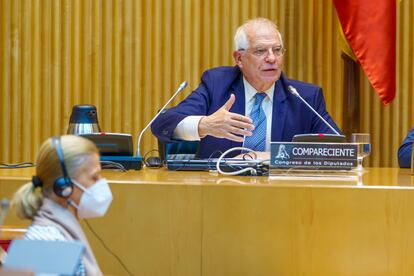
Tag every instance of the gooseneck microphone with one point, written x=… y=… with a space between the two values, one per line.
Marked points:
x=4 y=203
x=294 y=92
x=180 y=88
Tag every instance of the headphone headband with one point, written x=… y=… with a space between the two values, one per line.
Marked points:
x=59 y=152
x=62 y=186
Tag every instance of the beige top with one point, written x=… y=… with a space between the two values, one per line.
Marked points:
x=53 y=214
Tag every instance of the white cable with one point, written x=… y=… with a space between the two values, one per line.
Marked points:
x=251 y=170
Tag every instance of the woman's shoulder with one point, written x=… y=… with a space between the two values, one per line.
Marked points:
x=47 y=232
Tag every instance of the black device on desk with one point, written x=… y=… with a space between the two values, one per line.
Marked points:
x=319 y=138
x=227 y=165
x=116 y=147
x=112 y=144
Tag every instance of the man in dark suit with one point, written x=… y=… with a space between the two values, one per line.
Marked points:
x=405 y=150
x=246 y=105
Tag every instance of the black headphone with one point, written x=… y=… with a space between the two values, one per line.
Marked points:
x=63 y=185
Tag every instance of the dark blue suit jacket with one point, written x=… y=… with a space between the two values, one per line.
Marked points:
x=289 y=115
x=404 y=152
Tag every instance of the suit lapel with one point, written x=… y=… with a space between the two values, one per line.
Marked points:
x=279 y=110
x=239 y=105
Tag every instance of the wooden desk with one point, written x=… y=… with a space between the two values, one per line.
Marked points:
x=9 y=233
x=194 y=223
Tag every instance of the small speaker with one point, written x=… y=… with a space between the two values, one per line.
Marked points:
x=83 y=120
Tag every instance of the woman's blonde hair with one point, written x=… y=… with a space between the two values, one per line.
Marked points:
x=76 y=151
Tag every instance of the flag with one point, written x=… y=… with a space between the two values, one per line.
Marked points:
x=344 y=45
x=370 y=28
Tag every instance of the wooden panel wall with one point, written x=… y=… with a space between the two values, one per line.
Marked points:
x=127 y=57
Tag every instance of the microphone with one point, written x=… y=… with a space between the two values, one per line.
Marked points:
x=180 y=88
x=4 y=203
x=295 y=93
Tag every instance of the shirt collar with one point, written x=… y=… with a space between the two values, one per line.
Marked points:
x=251 y=91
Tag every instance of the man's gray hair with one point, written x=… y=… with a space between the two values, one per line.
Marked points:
x=240 y=38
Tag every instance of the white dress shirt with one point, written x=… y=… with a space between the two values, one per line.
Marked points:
x=187 y=129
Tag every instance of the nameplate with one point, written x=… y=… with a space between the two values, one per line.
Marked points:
x=306 y=155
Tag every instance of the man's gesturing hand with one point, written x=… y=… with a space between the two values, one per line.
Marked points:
x=224 y=124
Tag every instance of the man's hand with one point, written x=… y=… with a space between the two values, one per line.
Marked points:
x=225 y=124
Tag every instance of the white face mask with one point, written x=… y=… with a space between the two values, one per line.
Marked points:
x=95 y=200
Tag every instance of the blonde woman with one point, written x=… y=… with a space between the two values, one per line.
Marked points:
x=67 y=187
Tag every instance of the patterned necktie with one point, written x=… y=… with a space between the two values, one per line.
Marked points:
x=258 y=140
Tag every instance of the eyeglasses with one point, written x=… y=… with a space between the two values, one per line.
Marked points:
x=262 y=52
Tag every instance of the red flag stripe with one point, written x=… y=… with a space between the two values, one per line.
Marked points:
x=370 y=28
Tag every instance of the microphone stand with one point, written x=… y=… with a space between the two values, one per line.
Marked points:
x=180 y=88
x=4 y=203
x=295 y=93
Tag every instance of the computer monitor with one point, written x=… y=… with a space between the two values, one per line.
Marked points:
x=112 y=144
